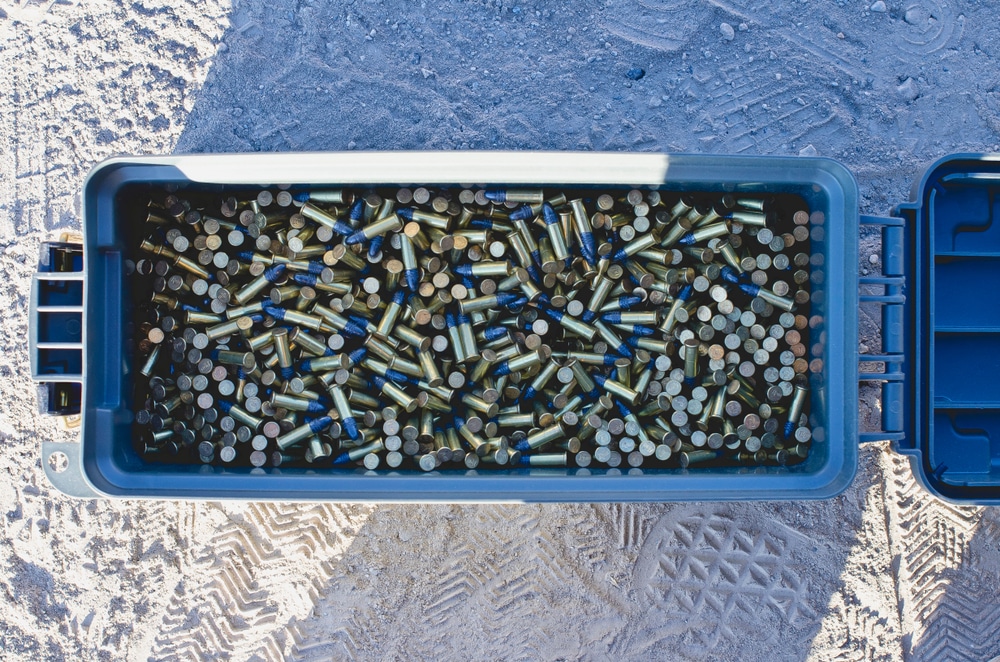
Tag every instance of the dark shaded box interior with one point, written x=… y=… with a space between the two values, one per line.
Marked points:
x=131 y=205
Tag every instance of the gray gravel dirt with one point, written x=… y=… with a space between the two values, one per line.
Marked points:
x=881 y=572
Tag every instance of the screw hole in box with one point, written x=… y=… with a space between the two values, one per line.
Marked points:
x=58 y=462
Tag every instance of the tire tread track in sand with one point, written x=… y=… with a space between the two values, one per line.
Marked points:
x=708 y=569
x=691 y=578
x=259 y=572
x=946 y=601
x=863 y=608
x=665 y=27
x=632 y=522
x=736 y=104
x=493 y=585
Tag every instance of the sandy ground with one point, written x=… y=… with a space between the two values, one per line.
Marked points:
x=882 y=572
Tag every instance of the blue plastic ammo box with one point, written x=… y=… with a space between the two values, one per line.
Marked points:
x=941 y=329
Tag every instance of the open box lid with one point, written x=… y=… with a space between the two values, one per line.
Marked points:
x=942 y=340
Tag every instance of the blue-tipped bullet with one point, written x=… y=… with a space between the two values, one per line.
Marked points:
x=305 y=279
x=588 y=247
x=625 y=351
x=274 y=272
x=357 y=355
x=522 y=213
x=494 y=332
x=274 y=311
x=463 y=270
x=549 y=214
x=342 y=228
x=350 y=426
x=352 y=329
x=641 y=331
x=503 y=368
x=357 y=237
x=507 y=298
x=321 y=424
x=400 y=378
x=729 y=275
x=360 y=321
x=413 y=279
x=626 y=301
x=613 y=317
x=406 y=213
x=357 y=211
x=610 y=359
x=375 y=246
x=481 y=223
x=317 y=407
x=378 y=381
x=554 y=313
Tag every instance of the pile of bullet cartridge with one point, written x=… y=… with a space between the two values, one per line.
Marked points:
x=463 y=328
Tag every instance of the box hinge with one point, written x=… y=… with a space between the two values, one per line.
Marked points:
x=55 y=332
x=892 y=299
